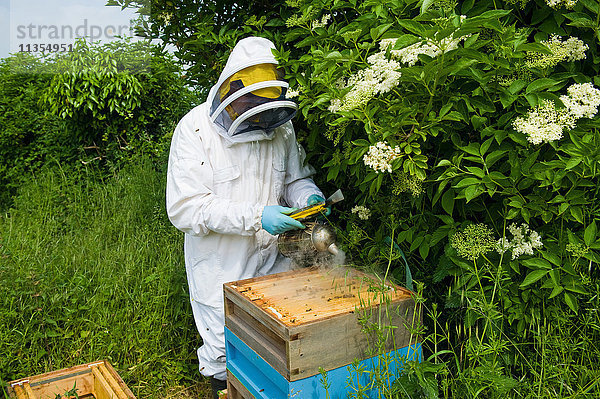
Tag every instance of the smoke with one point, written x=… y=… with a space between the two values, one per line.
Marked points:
x=339 y=259
x=309 y=257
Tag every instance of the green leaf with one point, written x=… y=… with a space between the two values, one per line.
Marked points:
x=533 y=276
x=493 y=157
x=555 y=277
x=412 y=26
x=537 y=263
x=469 y=181
x=582 y=23
x=424 y=249
x=540 y=84
x=576 y=212
x=571 y=163
x=552 y=257
x=576 y=288
x=517 y=86
x=476 y=171
x=378 y=31
x=361 y=143
x=334 y=55
x=571 y=301
x=472 y=148
x=471 y=192
x=555 y=292
x=405 y=41
x=321 y=100
x=589 y=236
x=534 y=47
x=448 y=201
x=439 y=234
x=591 y=5
x=485 y=146
x=426 y=4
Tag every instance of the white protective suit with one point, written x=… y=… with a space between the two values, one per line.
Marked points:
x=217 y=187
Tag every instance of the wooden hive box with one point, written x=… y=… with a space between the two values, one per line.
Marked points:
x=97 y=380
x=302 y=320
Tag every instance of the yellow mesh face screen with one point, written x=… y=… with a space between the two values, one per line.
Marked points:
x=251 y=75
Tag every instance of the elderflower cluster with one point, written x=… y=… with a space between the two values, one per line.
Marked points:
x=546 y=123
x=407 y=183
x=524 y=241
x=322 y=23
x=362 y=211
x=571 y=49
x=577 y=250
x=557 y=3
x=380 y=157
x=582 y=101
x=552 y=3
x=410 y=55
x=292 y=93
x=475 y=240
x=380 y=77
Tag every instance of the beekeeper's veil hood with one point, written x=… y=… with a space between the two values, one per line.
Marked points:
x=249 y=97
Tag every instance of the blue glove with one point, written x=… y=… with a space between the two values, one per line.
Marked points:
x=275 y=220
x=316 y=198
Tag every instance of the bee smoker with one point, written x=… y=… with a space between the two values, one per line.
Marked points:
x=310 y=246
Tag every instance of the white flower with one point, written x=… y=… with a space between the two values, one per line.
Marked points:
x=432 y=48
x=502 y=245
x=582 y=101
x=380 y=157
x=571 y=49
x=322 y=23
x=335 y=105
x=557 y=3
x=383 y=74
x=379 y=78
x=363 y=212
x=410 y=55
x=524 y=241
x=292 y=93
x=166 y=17
x=544 y=123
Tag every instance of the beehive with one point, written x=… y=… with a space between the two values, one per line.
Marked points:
x=97 y=380
x=303 y=320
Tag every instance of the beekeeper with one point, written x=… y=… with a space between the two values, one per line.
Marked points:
x=235 y=171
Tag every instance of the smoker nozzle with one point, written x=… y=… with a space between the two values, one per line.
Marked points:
x=333 y=249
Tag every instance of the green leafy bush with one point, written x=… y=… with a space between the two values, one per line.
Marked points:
x=118 y=98
x=463 y=129
x=100 y=103
x=28 y=137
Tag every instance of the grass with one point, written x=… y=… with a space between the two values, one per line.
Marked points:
x=93 y=269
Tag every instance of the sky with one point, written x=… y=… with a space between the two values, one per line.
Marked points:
x=25 y=23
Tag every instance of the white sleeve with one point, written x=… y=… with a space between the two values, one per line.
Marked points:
x=192 y=207
x=298 y=183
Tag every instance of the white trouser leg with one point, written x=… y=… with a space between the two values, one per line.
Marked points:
x=210 y=322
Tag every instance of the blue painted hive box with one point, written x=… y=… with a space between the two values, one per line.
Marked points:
x=282 y=329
